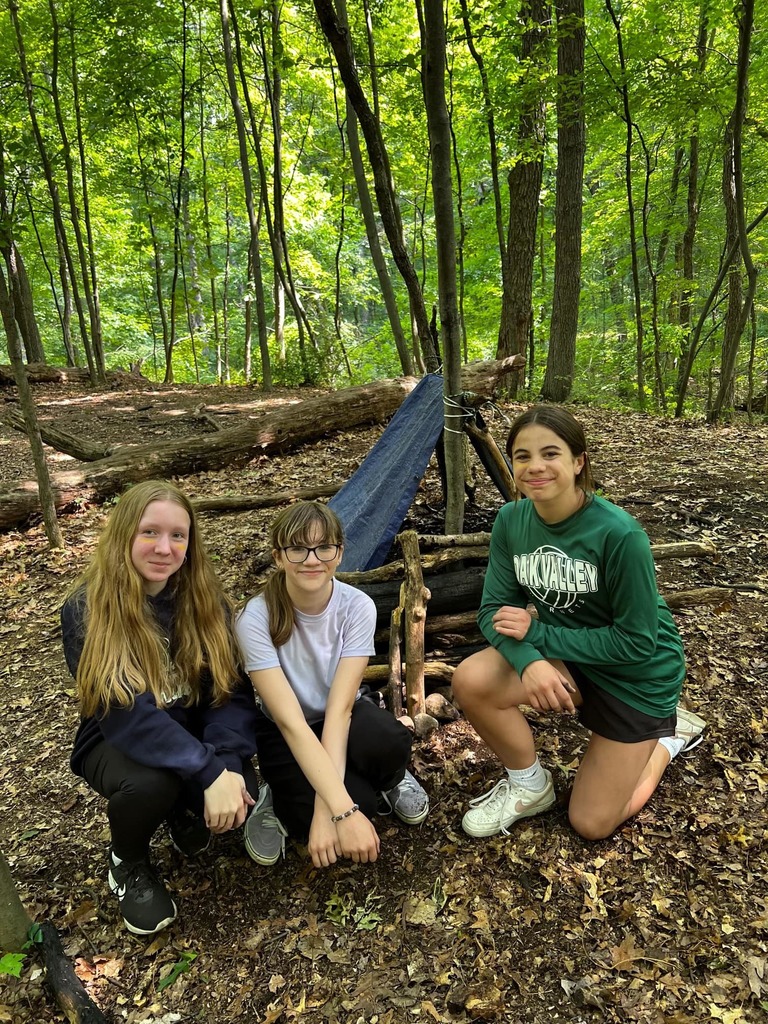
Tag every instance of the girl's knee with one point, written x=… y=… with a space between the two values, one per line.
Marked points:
x=590 y=823
x=151 y=788
x=468 y=683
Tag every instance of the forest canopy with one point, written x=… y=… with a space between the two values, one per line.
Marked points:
x=190 y=189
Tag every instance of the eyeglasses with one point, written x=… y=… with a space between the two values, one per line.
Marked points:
x=323 y=552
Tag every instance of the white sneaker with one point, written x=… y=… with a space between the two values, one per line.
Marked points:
x=495 y=811
x=689 y=728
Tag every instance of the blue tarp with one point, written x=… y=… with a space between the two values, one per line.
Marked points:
x=373 y=503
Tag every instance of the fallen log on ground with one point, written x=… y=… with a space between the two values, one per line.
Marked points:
x=42 y=373
x=272 y=432
x=65 y=984
x=247 y=502
x=70 y=444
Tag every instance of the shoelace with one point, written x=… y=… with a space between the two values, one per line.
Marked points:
x=141 y=877
x=494 y=799
x=270 y=820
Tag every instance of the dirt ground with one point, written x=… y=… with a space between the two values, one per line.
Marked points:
x=667 y=921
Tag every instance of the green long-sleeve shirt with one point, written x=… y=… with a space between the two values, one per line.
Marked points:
x=592 y=580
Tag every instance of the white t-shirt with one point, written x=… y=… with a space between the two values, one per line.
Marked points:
x=310 y=657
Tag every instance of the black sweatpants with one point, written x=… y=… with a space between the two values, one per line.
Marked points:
x=378 y=752
x=141 y=798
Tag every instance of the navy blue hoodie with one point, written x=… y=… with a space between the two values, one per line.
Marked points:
x=196 y=742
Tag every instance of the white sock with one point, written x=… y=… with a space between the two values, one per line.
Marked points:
x=116 y=860
x=533 y=778
x=673 y=744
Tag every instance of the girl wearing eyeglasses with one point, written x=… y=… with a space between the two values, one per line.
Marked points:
x=329 y=757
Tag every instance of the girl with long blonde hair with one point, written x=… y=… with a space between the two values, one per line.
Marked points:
x=330 y=756
x=167 y=722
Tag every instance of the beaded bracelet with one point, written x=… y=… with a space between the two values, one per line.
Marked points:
x=346 y=814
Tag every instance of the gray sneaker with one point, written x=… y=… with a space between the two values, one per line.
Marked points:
x=408 y=799
x=263 y=833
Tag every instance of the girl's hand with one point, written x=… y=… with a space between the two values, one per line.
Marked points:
x=510 y=621
x=225 y=802
x=358 y=838
x=547 y=689
x=248 y=800
x=324 y=846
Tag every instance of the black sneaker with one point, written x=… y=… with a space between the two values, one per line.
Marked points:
x=144 y=901
x=189 y=833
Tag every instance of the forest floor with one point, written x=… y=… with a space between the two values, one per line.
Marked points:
x=666 y=921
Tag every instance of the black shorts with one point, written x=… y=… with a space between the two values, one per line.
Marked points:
x=612 y=719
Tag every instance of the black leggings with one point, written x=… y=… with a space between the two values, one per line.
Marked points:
x=378 y=752
x=141 y=798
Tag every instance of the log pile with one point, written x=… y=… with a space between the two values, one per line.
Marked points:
x=427 y=619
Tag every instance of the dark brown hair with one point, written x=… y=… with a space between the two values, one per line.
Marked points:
x=567 y=428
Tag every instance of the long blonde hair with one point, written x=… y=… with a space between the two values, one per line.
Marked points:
x=296 y=525
x=125 y=651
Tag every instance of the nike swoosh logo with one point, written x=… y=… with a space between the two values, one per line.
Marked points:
x=523 y=805
x=120 y=891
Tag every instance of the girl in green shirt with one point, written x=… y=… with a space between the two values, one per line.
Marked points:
x=602 y=645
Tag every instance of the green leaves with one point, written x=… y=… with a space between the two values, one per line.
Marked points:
x=181 y=966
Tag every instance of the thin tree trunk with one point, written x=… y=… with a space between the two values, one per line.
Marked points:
x=245 y=167
x=491 y=124
x=96 y=371
x=571 y=142
x=63 y=303
x=157 y=260
x=629 y=124
x=339 y=37
x=30 y=418
x=176 y=192
x=207 y=212
x=371 y=227
x=87 y=268
x=733 y=189
x=95 y=293
x=442 y=195
x=462 y=223
x=689 y=235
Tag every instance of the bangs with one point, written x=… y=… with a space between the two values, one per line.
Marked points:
x=300 y=525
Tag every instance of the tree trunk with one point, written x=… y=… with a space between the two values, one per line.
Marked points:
x=733 y=196
x=339 y=37
x=524 y=181
x=571 y=141
x=14 y=920
x=442 y=195
x=96 y=369
x=245 y=170
x=277 y=431
x=689 y=235
x=87 y=268
x=30 y=418
x=629 y=125
x=371 y=227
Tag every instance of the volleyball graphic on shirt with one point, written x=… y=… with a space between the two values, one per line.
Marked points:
x=554 y=578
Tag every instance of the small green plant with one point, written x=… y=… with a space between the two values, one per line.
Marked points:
x=11 y=964
x=181 y=966
x=341 y=909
